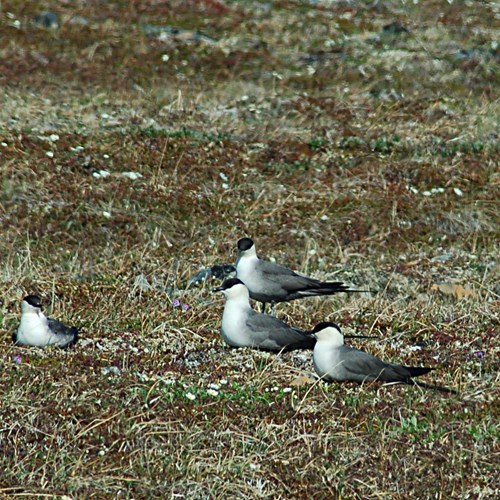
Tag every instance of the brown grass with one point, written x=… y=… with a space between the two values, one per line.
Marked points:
x=346 y=151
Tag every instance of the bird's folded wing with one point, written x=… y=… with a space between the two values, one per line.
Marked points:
x=263 y=326
x=363 y=365
x=60 y=328
x=291 y=282
x=270 y=269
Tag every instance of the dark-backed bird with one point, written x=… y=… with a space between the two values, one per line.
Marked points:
x=269 y=282
x=35 y=329
x=335 y=362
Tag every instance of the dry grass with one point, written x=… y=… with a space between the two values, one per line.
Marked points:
x=346 y=150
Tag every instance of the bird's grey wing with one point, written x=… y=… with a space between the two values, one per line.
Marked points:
x=272 y=269
x=271 y=333
x=286 y=278
x=360 y=366
x=67 y=335
x=59 y=328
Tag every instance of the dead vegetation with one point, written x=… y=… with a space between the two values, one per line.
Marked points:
x=355 y=141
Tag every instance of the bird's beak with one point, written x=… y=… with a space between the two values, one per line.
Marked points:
x=218 y=289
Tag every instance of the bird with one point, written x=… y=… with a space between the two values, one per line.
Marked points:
x=35 y=329
x=335 y=362
x=244 y=327
x=271 y=283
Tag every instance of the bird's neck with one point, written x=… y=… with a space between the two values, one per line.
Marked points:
x=331 y=343
x=248 y=256
x=245 y=266
x=238 y=302
x=34 y=316
x=236 y=310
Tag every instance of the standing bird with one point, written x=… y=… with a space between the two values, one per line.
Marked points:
x=269 y=282
x=333 y=361
x=35 y=329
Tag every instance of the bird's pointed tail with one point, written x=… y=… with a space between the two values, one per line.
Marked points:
x=435 y=387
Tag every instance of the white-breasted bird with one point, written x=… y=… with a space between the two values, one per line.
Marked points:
x=244 y=327
x=335 y=362
x=269 y=282
x=35 y=329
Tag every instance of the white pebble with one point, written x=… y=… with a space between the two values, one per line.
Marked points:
x=100 y=174
x=133 y=176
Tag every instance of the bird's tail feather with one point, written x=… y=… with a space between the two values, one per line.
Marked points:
x=329 y=288
x=416 y=371
x=360 y=337
x=435 y=387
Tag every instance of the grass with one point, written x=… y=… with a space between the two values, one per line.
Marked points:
x=346 y=151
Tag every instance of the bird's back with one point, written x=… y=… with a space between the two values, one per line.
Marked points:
x=359 y=366
x=65 y=335
x=270 y=333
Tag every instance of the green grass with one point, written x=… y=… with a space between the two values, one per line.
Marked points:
x=346 y=153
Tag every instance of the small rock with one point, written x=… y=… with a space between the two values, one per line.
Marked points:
x=219 y=271
x=79 y=20
x=47 y=19
x=394 y=28
x=442 y=258
x=133 y=176
x=100 y=174
x=111 y=370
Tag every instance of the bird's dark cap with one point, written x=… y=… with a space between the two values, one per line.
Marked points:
x=33 y=300
x=245 y=244
x=228 y=284
x=329 y=324
x=325 y=324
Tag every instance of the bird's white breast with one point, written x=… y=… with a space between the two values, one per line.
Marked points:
x=234 y=322
x=33 y=330
x=245 y=271
x=326 y=359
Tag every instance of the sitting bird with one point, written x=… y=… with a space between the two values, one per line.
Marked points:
x=244 y=327
x=35 y=329
x=333 y=361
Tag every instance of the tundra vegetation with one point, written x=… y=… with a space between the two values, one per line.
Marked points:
x=354 y=141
